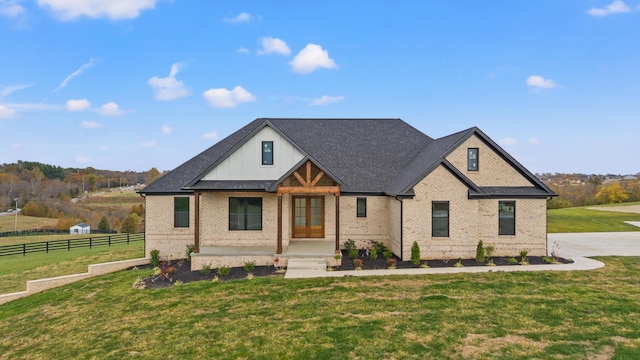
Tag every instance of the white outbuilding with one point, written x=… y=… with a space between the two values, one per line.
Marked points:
x=81 y=228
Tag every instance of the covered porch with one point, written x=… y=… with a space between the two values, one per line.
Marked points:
x=233 y=256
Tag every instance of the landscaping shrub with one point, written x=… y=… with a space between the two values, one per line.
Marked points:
x=415 y=253
x=353 y=254
x=190 y=249
x=349 y=245
x=373 y=254
x=206 y=269
x=480 y=256
x=224 y=271
x=380 y=247
x=155 y=257
x=249 y=266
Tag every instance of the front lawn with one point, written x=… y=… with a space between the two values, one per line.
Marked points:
x=497 y=315
x=15 y=270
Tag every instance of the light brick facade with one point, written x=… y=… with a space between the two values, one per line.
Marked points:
x=395 y=221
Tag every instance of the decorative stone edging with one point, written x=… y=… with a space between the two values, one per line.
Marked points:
x=36 y=286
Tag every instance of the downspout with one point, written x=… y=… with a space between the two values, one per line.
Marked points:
x=401 y=228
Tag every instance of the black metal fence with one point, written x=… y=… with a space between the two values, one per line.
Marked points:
x=32 y=232
x=90 y=242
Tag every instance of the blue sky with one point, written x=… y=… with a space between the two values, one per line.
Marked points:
x=135 y=84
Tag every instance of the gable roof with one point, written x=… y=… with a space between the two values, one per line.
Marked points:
x=368 y=156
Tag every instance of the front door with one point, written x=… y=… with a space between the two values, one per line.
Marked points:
x=308 y=217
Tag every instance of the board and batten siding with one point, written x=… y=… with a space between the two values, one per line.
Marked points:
x=246 y=162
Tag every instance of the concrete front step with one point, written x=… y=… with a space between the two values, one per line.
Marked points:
x=307 y=264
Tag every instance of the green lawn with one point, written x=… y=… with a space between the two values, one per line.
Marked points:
x=15 y=270
x=497 y=315
x=582 y=219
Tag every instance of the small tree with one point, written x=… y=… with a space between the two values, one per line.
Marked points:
x=415 y=253
x=480 y=257
x=130 y=224
x=104 y=225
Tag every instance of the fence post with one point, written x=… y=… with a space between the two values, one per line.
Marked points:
x=47 y=246
x=109 y=240
x=90 y=243
x=68 y=245
x=24 y=249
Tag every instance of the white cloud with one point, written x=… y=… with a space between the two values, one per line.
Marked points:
x=534 y=141
x=224 y=98
x=95 y=9
x=8 y=90
x=326 y=100
x=166 y=129
x=90 y=125
x=615 y=7
x=508 y=141
x=110 y=109
x=311 y=58
x=83 y=159
x=78 y=105
x=272 y=45
x=74 y=74
x=241 y=18
x=540 y=82
x=148 y=144
x=11 y=8
x=243 y=50
x=168 y=88
x=210 y=136
x=6 y=113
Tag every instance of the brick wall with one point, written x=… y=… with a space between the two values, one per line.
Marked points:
x=469 y=221
x=492 y=169
x=159 y=230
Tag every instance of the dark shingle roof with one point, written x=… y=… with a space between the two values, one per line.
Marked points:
x=375 y=156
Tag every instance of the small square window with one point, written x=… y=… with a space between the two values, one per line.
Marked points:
x=361 y=210
x=267 y=153
x=472 y=159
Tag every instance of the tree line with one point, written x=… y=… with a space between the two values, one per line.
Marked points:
x=45 y=190
x=573 y=191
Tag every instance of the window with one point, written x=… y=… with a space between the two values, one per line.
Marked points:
x=440 y=219
x=361 y=207
x=507 y=217
x=181 y=212
x=267 y=153
x=472 y=159
x=245 y=213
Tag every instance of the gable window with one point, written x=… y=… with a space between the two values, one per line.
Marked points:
x=245 y=213
x=267 y=153
x=507 y=218
x=472 y=159
x=181 y=212
x=440 y=219
x=361 y=207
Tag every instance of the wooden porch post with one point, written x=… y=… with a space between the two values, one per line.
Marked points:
x=279 y=248
x=197 y=224
x=337 y=223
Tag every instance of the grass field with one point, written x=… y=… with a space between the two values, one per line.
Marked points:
x=7 y=223
x=15 y=270
x=548 y=315
x=582 y=219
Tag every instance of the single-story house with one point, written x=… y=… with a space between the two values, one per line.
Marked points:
x=277 y=181
x=81 y=228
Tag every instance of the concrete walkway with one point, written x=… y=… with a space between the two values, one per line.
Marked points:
x=576 y=246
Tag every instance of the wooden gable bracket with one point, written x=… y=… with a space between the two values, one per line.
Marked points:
x=308 y=184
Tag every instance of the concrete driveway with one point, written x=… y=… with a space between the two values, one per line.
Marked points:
x=574 y=245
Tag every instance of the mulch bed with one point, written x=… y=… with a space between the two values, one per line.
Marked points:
x=381 y=262
x=184 y=274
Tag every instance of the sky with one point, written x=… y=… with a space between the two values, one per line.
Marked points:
x=136 y=84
